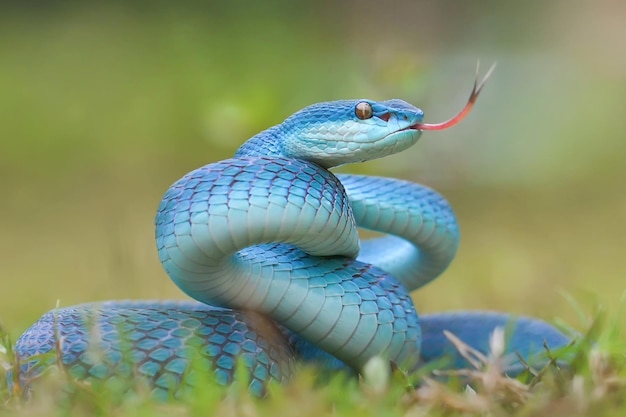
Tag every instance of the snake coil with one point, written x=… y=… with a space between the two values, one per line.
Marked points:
x=267 y=242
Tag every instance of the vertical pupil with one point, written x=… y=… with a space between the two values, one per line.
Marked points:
x=363 y=110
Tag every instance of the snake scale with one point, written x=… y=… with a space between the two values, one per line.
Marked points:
x=267 y=243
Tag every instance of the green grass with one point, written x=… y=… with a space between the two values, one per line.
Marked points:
x=595 y=384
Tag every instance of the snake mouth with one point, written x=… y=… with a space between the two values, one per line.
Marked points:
x=415 y=127
x=402 y=138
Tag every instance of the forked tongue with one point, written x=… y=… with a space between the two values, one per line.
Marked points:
x=465 y=110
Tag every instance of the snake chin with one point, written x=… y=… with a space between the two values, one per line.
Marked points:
x=402 y=139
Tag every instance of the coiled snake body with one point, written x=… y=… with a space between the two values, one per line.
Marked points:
x=267 y=242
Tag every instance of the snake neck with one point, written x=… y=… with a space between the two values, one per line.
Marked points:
x=267 y=143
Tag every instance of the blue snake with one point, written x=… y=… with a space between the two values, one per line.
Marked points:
x=267 y=243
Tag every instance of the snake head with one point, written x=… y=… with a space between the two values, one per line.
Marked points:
x=342 y=132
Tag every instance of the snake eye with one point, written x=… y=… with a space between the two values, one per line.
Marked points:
x=363 y=110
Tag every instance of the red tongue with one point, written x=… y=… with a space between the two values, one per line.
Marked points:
x=464 y=111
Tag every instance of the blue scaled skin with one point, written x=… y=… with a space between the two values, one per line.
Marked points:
x=267 y=243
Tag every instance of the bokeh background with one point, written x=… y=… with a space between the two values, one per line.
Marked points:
x=103 y=106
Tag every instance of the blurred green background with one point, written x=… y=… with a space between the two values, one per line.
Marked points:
x=103 y=106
